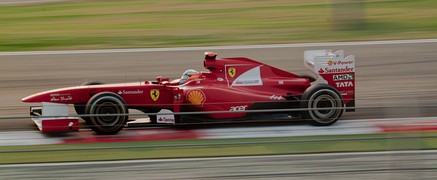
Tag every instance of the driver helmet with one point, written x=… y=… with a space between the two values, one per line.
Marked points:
x=186 y=75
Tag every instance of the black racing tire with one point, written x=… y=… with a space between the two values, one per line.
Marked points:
x=322 y=96
x=80 y=110
x=107 y=103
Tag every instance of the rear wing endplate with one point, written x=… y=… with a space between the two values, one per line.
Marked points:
x=335 y=69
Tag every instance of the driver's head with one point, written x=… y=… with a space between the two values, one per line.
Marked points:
x=187 y=74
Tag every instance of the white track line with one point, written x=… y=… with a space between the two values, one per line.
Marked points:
x=266 y=46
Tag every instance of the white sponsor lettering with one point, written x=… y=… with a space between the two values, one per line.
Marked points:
x=276 y=97
x=238 y=108
x=344 y=84
x=342 y=77
x=337 y=70
x=61 y=97
x=343 y=93
x=130 y=92
x=247 y=82
x=342 y=62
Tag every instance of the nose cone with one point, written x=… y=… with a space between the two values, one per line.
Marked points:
x=65 y=95
x=39 y=97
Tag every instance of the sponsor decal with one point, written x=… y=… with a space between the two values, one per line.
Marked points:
x=276 y=97
x=196 y=97
x=231 y=72
x=335 y=63
x=130 y=92
x=344 y=84
x=166 y=120
x=220 y=79
x=154 y=94
x=60 y=97
x=251 y=77
x=165 y=116
x=238 y=108
x=335 y=70
x=321 y=71
x=246 y=82
x=342 y=77
x=343 y=93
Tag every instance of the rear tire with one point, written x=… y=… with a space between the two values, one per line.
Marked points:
x=107 y=103
x=322 y=96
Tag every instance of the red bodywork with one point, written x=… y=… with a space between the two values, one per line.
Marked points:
x=231 y=84
x=220 y=89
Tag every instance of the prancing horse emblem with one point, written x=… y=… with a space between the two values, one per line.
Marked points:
x=154 y=94
x=232 y=72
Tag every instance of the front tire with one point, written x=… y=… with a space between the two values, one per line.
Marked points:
x=80 y=110
x=319 y=99
x=106 y=104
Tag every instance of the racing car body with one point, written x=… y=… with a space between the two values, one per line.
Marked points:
x=232 y=88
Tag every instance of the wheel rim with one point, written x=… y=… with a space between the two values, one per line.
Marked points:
x=108 y=108
x=324 y=99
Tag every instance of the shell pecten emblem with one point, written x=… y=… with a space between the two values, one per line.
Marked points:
x=154 y=94
x=196 y=97
x=232 y=72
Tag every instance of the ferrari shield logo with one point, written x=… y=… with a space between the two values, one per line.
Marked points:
x=232 y=72
x=154 y=94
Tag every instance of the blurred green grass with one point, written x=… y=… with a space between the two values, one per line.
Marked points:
x=218 y=147
x=95 y=24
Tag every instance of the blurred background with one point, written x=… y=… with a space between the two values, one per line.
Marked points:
x=92 y=24
x=41 y=43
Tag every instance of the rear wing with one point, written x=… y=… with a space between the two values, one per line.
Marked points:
x=334 y=69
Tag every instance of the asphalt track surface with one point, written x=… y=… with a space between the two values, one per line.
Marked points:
x=366 y=165
x=394 y=78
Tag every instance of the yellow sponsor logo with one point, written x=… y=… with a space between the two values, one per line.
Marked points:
x=232 y=72
x=196 y=97
x=154 y=94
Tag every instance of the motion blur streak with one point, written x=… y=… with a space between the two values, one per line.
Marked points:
x=267 y=46
x=387 y=75
x=365 y=165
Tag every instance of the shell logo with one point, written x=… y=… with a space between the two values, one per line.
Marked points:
x=196 y=97
x=330 y=62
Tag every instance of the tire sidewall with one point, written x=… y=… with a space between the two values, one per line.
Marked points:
x=96 y=124
x=313 y=93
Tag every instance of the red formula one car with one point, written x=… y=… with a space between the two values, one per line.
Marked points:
x=232 y=88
